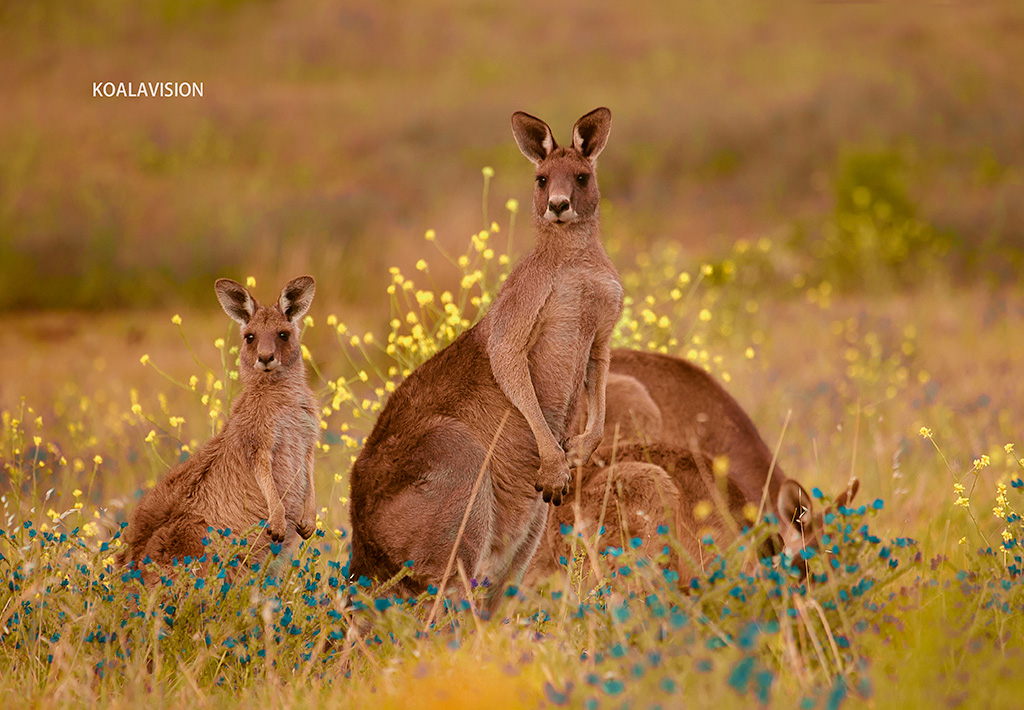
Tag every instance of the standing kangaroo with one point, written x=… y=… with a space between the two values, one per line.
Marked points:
x=508 y=391
x=260 y=467
x=659 y=398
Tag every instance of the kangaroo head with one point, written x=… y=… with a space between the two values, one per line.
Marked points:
x=566 y=183
x=270 y=334
x=799 y=526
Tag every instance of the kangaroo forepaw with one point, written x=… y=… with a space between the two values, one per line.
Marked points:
x=306 y=528
x=276 y=529
x=580 y=448
x=553 y=483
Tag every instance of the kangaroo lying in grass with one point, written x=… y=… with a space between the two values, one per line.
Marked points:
x=639 y=491
x=260 y=467
x=632 y=490
x=655 y=397
x=485 y=424
x=666 y=421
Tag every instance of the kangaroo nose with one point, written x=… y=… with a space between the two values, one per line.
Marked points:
x=558 y=205
x=266 y=359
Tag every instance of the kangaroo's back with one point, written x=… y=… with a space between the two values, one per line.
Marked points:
x=691 y=411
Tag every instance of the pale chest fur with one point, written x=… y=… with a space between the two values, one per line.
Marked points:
x=583 y=307
x=286 y=423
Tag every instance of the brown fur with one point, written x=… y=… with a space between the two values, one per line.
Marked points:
x=654 y=397
x=539 y=356
x=651 y=485
x=260 y=467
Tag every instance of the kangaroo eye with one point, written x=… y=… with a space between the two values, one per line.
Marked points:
x=249 y=338
x=541 y=181
x=582 y=179
x=283 y=335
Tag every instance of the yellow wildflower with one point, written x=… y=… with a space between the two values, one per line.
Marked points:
x=702 y=510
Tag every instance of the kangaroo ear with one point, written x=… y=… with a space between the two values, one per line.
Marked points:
x=532 y=136
x=844 y=498
x=236 y=300
x=297 y=297
x=591 y=133
x=796 y=514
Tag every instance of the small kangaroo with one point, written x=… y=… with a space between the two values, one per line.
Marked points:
x=260 y=467
x=658 y=398
x=539 y=357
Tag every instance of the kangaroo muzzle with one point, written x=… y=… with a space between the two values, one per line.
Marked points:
x=559 y=209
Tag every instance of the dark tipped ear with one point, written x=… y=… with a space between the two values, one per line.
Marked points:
x=844 y=498
x=297 y=297
x=591 y=133
x=532 y=136
x=236 y=300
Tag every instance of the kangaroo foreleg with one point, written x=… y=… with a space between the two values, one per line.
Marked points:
x=581 y=446
x=307 y=523
x=276 y=525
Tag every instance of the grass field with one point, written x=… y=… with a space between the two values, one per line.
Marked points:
x=820 y=204
x=916 y=599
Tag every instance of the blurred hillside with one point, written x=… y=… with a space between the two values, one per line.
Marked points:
x=331 y=135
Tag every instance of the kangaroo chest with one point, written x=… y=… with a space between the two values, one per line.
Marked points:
x=582 y=308
x=294 y=433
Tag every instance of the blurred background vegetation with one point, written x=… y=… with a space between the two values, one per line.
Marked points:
x=874 y=142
